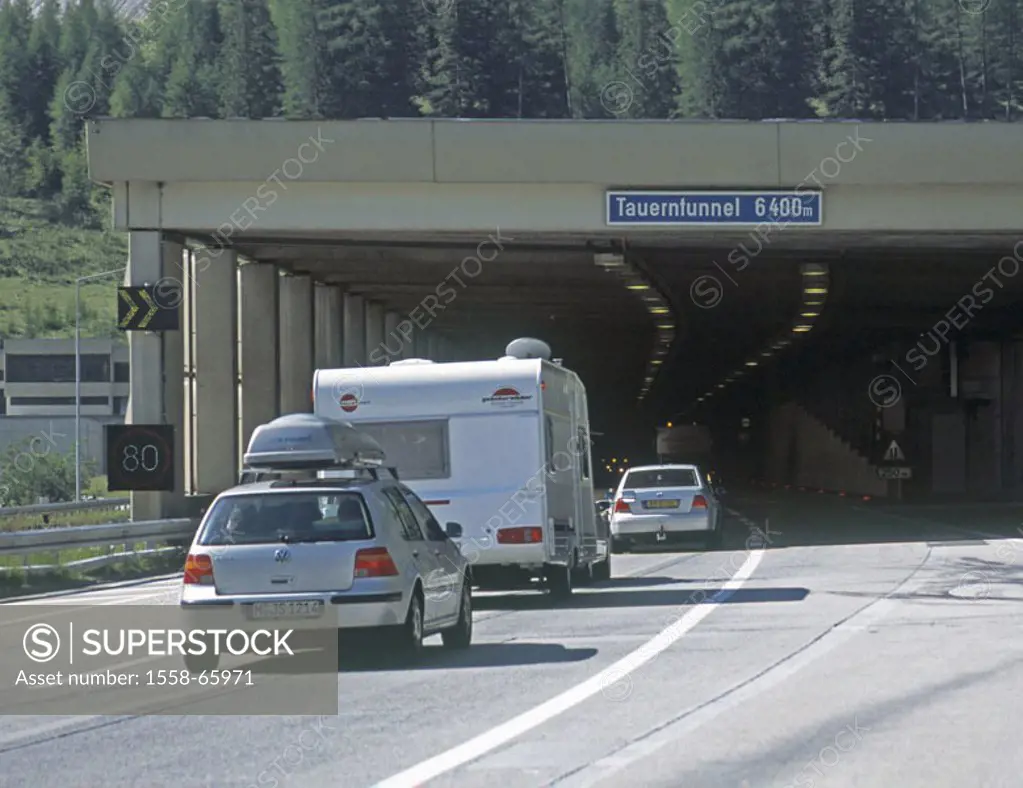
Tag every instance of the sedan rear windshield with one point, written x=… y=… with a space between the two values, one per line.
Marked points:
x=667 y=477
x=287 y=517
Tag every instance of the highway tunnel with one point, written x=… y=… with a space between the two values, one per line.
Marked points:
x=875 y=350
x=805 y=362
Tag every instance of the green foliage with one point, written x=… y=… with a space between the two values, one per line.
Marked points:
x=31 y=470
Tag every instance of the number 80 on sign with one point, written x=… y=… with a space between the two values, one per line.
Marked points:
x=140 y=457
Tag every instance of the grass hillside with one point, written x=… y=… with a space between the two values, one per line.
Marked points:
x=39 y=263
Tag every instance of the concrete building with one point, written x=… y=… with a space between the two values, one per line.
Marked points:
x=37 y=392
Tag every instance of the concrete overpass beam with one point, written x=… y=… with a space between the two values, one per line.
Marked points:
x=328 y=307
x=258 y=347
x=296 y=344
x=354 y=330
x=214 y=441
x=375 y=332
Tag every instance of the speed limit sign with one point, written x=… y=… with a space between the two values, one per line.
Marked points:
x=140 y=457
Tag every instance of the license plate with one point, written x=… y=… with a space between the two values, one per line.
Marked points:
x=661 y=504
x=265 y=610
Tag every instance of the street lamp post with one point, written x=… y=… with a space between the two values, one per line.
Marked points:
x=78 y=374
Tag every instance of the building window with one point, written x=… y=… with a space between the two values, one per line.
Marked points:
x=57 y=368
x=36 y=402
x=120 y=406
x=121 y=372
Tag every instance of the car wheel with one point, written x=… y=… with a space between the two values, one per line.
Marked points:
x=602 y=570
x=411 y=634
x=460 y=635
x=559 y=581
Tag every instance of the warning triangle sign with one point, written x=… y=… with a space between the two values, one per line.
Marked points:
x=894 y=453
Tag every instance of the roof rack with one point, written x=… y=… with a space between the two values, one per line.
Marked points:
x=301 y=445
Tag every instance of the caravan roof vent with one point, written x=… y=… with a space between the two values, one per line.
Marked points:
x=526 y=347
x=408 y=362
x=302 y=441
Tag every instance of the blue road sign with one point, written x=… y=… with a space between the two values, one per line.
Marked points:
x=734 y=209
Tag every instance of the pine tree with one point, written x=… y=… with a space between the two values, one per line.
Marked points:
x=374 y=54
x=191 y=89
x=647 y=57
x=592 y=45
x=478 y=65
x=545 y=89
x=43 y=54
x=15 y=64
x=305 y=62
x=248 y=77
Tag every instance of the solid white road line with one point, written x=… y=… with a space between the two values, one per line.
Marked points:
x=527 y=721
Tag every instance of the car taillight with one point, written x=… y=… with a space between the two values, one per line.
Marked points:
x=199 y=570
x=699 y=502
x=530 y=535
x=622 y=506
x=374 y=562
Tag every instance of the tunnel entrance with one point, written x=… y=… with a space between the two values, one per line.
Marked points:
x=805 y=356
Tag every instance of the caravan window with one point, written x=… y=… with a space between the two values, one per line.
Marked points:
x=584 y=447
x=418 y=449
x=548 y=441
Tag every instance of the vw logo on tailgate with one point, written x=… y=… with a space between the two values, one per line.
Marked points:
x=280 y=556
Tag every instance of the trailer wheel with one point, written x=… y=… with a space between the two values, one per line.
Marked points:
x=559 y=580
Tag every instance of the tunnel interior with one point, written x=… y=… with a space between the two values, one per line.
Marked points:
x=803 y=353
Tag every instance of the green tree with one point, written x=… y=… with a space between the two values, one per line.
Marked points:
x=646 y=58
x=249 y=80
x=305 y=61
x=32 y=469
x=373 y=52
x=592 y=42
x=191 y=88
x=44 y=62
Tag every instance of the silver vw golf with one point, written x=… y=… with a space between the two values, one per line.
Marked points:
x=361 y=554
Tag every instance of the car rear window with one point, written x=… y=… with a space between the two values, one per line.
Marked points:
x=287 y=517
x=667 y=477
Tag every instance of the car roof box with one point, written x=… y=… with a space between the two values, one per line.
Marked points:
x=302 y=441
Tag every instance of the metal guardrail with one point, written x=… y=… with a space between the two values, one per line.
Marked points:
x=45 y=540
x=68 y=506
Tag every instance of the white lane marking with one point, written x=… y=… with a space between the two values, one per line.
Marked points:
x=502 y=734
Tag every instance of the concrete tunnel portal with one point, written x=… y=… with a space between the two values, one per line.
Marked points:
x=806 y=349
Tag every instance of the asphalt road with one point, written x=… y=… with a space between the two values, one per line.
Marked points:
x=862 y=647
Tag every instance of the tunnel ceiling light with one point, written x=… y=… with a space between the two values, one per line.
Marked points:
x=638 y=287
x=752 y=363
x=666 y=326
x=721 y=385
x=809 y=314
x=766 y=354
x=659 y=310
x=656 y=361
x=815 y=290
x=813 y=303
x=801 y=329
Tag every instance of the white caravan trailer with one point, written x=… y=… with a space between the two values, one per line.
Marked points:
x=500 y=447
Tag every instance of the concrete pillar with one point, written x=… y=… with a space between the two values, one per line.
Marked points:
x=354 y=331
x=145 y=354
x=421 y=346
x=327 y=310
x=296 y=344
x=396 y=347
x=258 y=351
x=214 y=317
x=375 y=332
x=173 y=503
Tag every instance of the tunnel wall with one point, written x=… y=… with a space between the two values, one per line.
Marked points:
x=803 y=451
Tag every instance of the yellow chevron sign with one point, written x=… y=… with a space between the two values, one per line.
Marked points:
x=147 y=308
x=153 y=309
x=132 y=308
